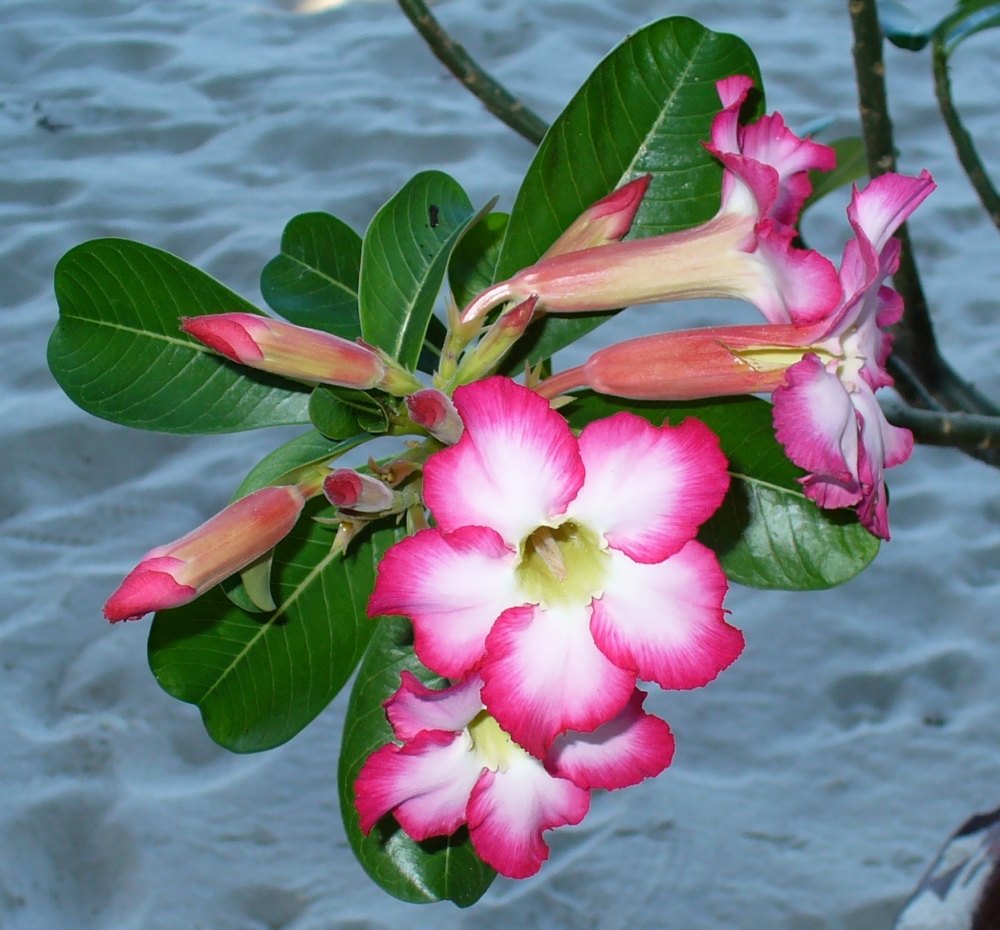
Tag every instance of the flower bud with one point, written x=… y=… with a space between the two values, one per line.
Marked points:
x=433 y=410
x=347 y=489
x=171 y=575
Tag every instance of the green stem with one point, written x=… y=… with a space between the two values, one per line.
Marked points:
x=964 y=146
x=494 y=96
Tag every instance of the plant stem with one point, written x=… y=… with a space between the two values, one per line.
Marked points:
x=967 y=431
x=494 y=96
x=964 y=146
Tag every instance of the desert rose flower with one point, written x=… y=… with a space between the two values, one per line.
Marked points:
x=563 y=569
x=745 y=251
x=455 y=766
x=171 y=575
x=298 y=352
x=823 y=375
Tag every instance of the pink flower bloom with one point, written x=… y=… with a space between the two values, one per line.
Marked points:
x=171 y=575
x=297 y=352
x=823 y=374
x=563 y=569
x=456 y=766
x=744 y=252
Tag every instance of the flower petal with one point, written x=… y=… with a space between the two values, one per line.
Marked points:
x=649 y=488
x=666 y=621
x=543 y=675
x=415 y=707
x=817 y=424
x=426 y=784
x=509 y=810
x=885 y=203
x=624 y=751
x=515 y=467
x=452 y=586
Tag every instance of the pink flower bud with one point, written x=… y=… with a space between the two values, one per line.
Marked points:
x=606 y=221
x=347 y=489
x=171 y=575
x=433 y=410
x=285 y=349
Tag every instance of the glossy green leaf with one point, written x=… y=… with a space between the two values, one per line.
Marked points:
x=404 y=256
x=852 y=165
x=473 y=264
x=767 y=534
x=434 y=870
x=341 y=412
x=902 y=27
x=968 y=18
x=117 y=350
x=260 y=678
x=647 y=108
x=314 y=280
x=286 y=463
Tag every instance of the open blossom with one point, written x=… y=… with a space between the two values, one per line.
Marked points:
x=745 y=251
x=455 y=766
x=823 y=373
x=171 y=575
x=563 y=569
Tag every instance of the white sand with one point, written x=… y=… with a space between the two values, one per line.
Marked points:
x=813 y=782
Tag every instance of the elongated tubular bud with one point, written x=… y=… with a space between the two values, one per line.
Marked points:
x=176 y=573
x=285 y=349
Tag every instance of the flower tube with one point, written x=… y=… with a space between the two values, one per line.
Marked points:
x=822 y=375
x=745 y=251
x=171 y=575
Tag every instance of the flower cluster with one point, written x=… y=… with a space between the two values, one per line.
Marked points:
x=549 y=572
x=560 y=570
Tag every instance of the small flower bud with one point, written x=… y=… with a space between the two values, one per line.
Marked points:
x=347 y=489
x=433 y=410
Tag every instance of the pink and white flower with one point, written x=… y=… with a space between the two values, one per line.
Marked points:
x=745 y=251
x=823 y=373
x=563 y=569
x=456 y=765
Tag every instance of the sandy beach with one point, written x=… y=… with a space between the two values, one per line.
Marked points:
x=813 y=782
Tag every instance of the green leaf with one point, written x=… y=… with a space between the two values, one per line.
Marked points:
x=341 y=412
x=474 y=261
x=314 y=280
x=404 y=257
x=434 y=870
x=286 y=463
x=852 y=165
x=969 y=18
x=117 y=350
x=260 y=678
x=901 y=27
x=767 y=534
x=647 y=108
